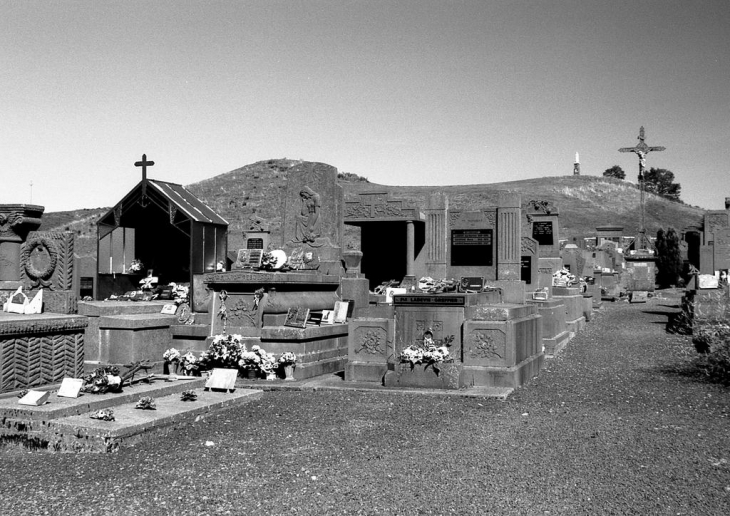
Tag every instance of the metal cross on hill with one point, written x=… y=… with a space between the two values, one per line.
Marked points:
x=641 y=150
x=144 y=164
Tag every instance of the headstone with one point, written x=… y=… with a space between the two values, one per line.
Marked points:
x=472 y=237
x=224 y=379
x=313 y=215
x=341 y=310
x=529 y=262
x=70 y=388
x=47 y=261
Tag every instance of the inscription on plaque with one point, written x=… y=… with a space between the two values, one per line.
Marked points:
x=525 y=269
x=542 y=231
x=471 y=247
x=255 y=243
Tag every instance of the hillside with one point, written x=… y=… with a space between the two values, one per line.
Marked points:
x=583 y=202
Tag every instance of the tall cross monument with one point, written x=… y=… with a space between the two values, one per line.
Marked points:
x=641 y=150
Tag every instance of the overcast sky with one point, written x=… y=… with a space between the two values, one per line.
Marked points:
x=402 y=92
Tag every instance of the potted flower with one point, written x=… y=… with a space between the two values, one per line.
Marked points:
x=171 y=357
x=225 y=351
x=249 y=363
x=190 y=364
x=287 y=361
x=136 y=266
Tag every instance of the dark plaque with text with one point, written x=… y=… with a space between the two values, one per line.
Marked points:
x=525 y=269
x=543 y=232
x=471 y=247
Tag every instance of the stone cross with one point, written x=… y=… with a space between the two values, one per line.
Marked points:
x=144 y=164
x=641 y=150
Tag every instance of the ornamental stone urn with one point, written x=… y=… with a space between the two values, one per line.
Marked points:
x=352 y=259
x=16 y=221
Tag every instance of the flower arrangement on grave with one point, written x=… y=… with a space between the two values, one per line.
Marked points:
x=106 y=414
x=225 y=351
x=146 y=403
x=268 y=261
x=563 y=278
x=135 y=266
x=180 y=293
x=287 y=358
x=101 y=380
x=22 y=393
x=188 y=396
x=429 y=353
x=171 y=357
x=190 y=364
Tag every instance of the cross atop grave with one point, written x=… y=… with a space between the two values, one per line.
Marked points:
x=144 y=164
x=641 y=150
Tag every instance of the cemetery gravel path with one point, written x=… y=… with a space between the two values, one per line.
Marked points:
x=615 y=424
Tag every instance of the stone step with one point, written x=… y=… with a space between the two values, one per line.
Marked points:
x=72 y=428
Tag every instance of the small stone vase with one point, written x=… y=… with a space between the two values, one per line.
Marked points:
x=250 y=373
x=289 y=372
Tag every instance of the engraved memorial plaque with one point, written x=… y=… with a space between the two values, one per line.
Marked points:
x=472 y=247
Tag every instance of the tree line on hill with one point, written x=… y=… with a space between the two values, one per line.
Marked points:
x=659 y=181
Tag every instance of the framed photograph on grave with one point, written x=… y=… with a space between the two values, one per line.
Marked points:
x=341 y=311
x=328 y=317
x=35 y=398
x=169 y=309
x=472 y=247
x=472 y=283
x=254 y=258
x=242 y=257
x=297 y=317
x=224 y=379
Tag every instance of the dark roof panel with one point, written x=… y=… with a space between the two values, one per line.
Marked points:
x=193 y=207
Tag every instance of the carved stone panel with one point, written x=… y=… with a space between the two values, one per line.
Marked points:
x=485 y=347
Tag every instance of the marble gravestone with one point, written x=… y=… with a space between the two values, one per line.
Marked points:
x=528 y=265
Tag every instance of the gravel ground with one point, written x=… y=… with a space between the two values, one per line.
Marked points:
x=615 y=424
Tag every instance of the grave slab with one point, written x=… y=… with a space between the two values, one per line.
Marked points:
x=369 y=343
x=555 y=335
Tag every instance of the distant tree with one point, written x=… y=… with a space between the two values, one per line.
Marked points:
x=615 y=171
x=661 y=182
x=669 y=258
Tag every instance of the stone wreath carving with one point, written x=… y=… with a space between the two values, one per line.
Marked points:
x=39 y=276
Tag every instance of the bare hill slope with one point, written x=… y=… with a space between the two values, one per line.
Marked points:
x=584 y=202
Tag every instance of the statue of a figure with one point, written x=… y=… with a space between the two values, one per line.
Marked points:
x=308 y=224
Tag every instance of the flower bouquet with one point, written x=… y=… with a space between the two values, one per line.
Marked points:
x=190 y=364
x=171 y=356
x=430 y=353
x=102 y=380
x=225 y=351
x=135 y=266
x=287 y=361
x=146 y=403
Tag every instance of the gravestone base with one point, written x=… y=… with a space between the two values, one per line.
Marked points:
x=319 y=349
x=513 y=376
x=190 y=337
x=131 y=338
x=40 y=349
x=368 y=344
x=638 y=296
x=512 y=291
x=572 y=298
x=555 y=335
x=57 y=301
x=503 y=348
x=357 y=291
x=423 y=376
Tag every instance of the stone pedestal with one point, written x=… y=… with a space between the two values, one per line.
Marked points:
x=40 y=349
x=502 y=347
x=369 y=344
x=554 y=332
x=445 y=375
x=97 y=344
x=319 y=349
x=129 y=338
x=573 y=301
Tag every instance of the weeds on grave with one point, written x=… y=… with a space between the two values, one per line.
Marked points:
x=711 y=335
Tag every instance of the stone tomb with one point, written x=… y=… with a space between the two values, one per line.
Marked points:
x=44 y=348
x=573 y=301
x=491 y=344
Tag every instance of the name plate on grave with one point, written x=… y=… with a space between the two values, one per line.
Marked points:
x=400 y=300
x=542 y=231
x=471 y=247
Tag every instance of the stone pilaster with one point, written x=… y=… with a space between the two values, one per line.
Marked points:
x=509 y=219
x=16 y=221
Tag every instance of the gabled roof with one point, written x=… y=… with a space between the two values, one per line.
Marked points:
x=193 y=207
x=170 y=196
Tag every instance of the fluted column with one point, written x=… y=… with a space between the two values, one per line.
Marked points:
x=410 y=248
x=508 y=237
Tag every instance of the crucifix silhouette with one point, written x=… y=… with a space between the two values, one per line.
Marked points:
x=641 y=150
x=144 y=164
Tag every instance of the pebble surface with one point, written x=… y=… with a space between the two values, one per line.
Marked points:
x=617 y=423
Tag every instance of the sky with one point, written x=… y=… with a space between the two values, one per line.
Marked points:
x=405 y=92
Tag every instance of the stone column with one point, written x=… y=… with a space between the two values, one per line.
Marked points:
x=16 y=221
x=410 y=247
x=509 y=236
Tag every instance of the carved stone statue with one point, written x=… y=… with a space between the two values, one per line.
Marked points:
x=308 y=224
